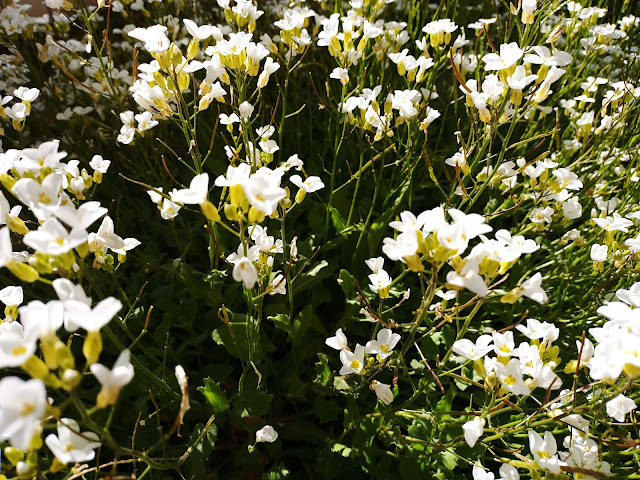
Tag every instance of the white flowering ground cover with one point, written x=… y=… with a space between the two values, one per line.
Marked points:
x=309 y=239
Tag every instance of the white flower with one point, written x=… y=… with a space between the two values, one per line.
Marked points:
x=543 y=56
x=196 y=193
x=245 y=271
x=154 y=38
x=229 y=119
x=503 y=343
x=609 y=224
x=375 y=264
x=71 y=446
x=339 y=341
x=431 y=115
x=352 y=362
x=535 y=329
x=16 y=345
x=269 y=67
x=266 y=434
x=528 y=7
x=145 y=121
x=508 y=472
x=113 y=380
x=480 y=473
x=541 y=215
x=245 y=109
x=263 y=193
x=310 y=185
x=468 y=278
x=39 y=195
x=380 y=283
x=82 y=217
x=599 y=252
x=619 y=406
x=99 y=164
x=169 y=209
x=544 y=451
x=278 y=285
x=11 y=296
x=511 y=377
x=572 y=209
x=105 y=237
x=383 y=391
x=532 y=289
x=6 y=250
x=519 y=80
x=203 y=32
x=43 y=320
x=630 y=296
x=510 y=53
x=341 y=74
x=27 y=95
x=81 y=315
x=383 y=345
x=45 y=156
x=22 y=405
x=467 y=349
x=473 y=430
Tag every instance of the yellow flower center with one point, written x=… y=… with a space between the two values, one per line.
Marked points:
x=27 y=408
x=355 y=364
x=18 y=350
x=510 y=380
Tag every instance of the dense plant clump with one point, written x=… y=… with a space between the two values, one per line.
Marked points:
x=303 y=239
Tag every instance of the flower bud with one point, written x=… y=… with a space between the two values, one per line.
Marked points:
x=192 y=49
x=24 y=272
x=256 y=215
x=35 y=367
x=16 y=225
x=13 y=455
x=92 y=347
x=210 y=211
x=71 y=379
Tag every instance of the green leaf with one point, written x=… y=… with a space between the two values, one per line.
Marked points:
x=444 y=404
x=254 y=403
x=410 y=468
x=312 y=277
x=348 y=284
x=416 y=365
x=233 y=337
x=323 y=370
x=420 y=429
x=281 y=321
x=449 y=460
x=351 y=413
x=200 y=449
x=341 y=450
x=467 y=372
x=340 y=383
x=301 y=323
x=337 y=220
x=214 y=395
x=278 y=472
